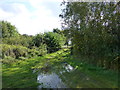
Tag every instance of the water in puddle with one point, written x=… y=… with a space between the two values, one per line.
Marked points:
x=50 y=81
x=51 y=78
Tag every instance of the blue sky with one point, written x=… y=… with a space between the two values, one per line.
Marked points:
x=31 y=16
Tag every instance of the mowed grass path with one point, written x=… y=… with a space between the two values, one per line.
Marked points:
x=20 y=74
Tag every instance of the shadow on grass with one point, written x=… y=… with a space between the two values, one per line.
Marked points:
x=20 y=74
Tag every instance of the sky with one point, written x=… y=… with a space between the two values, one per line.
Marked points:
x=31 y=16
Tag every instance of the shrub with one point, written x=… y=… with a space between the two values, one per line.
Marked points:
x=21 y=58
x=42 y=49
x=13 y=51
x=54 y=41
x=8 y=60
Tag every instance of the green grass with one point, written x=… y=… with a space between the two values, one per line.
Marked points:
x=19 y=74
x=89 y=76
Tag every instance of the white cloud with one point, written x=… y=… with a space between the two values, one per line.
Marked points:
x=4 y=14
x=31 y=22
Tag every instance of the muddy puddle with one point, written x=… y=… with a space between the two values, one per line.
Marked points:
x=50 y=77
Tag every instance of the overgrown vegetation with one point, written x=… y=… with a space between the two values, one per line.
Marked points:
x=54 y=41
x=19 y=46
x=93 y=30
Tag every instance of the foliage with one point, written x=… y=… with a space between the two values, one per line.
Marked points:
x=20 y=52
x=13 y=51
x=8 y=60
x=38 y=40
x=56 y=30
x=93 y=29
x=67 y=34
x=33 y=45
x=39 y=51
x=54 y=41
x=22 y=40
x=42 y=49
x=8 y=30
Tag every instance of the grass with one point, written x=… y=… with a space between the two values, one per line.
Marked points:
x=20 y=75
x=84 y=77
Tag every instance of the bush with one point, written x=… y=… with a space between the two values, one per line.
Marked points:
x=8 y=60
x=42 y=49
x=13 y=51
x=20 y=52
x=21 y=58
x=39 y=51
x=54 y=41
x=20 y=40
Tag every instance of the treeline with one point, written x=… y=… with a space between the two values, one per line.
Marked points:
x=94 y=31
x=17 y=46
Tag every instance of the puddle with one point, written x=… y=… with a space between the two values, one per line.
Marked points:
x=51 y=79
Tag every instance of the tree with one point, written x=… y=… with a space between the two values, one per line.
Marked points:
x=8 y=30
x=54 y=41
x=56 y=30
x=22 y=40
x=38 y=40
x=93 y=29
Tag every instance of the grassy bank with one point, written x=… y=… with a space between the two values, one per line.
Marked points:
x=20 y=75
x=90 y=76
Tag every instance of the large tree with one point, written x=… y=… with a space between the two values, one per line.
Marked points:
x=93 y=28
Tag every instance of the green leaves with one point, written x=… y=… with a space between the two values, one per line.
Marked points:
x=8 y=30
x=38 y=40
x=54 y=41
x=50 y=40
x=13 y=51
x=17 y=51
x=93 y=29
